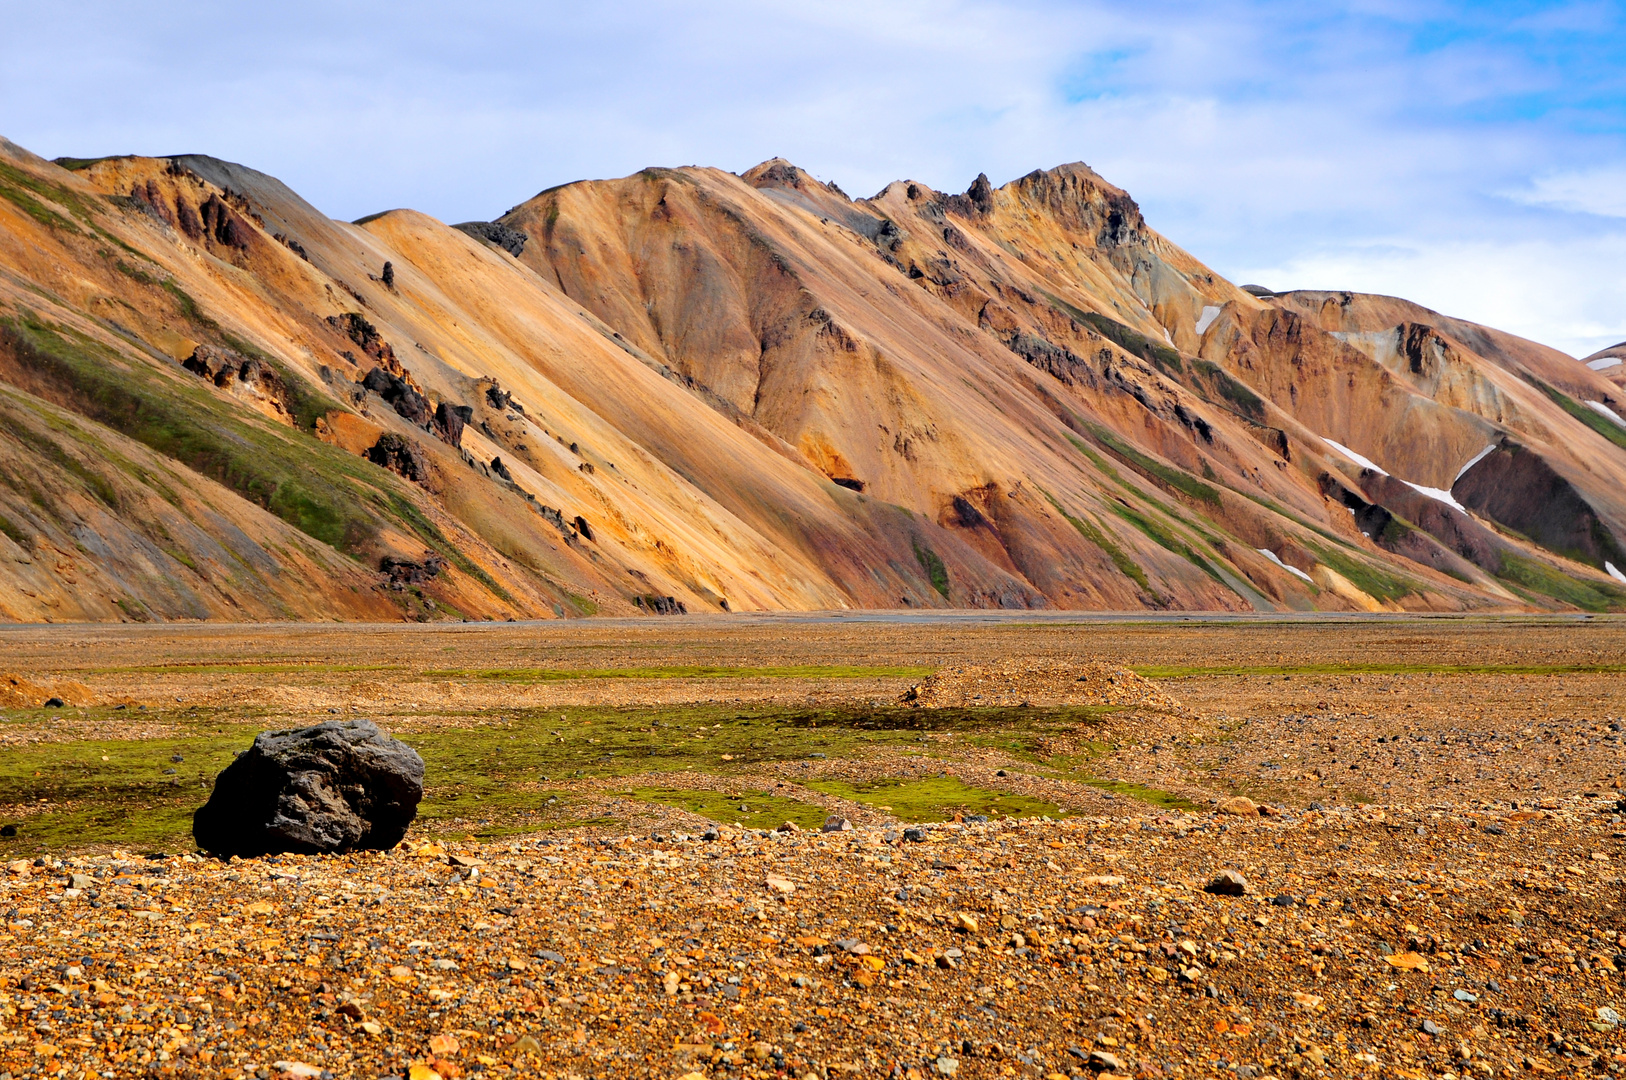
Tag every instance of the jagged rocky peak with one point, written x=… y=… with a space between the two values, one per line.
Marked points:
x=1078 y=197
x=779 y=173
x=978 y=199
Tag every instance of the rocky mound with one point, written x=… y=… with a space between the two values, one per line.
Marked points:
x=17 y=692
x=1037 y=682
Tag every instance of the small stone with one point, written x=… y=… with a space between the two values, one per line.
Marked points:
x=946 y=1066
x=1227 y=883
x=296 y=1068
x=965 y=922
x=81 y=881
x=1606 y=1015
x=915 y=836
x=1429 y=1027
x=1240 y=806
x=1407 y=961
x=836 y=823
x=789 y=827
x=1281 y=900
x=1465 y=996
x=1101 y=1061
x=781 y=885
x=54 y=703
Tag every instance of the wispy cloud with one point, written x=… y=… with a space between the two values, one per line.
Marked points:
x=1600 y=192
x=1405 y=147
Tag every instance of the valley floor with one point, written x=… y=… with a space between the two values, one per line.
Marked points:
x=597 y=885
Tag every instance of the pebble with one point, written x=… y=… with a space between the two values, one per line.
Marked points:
x=1227 y=883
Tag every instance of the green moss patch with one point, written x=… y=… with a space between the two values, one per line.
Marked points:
x=544 y=675
x=1174 y=479
x=933 y=568
x=1529 y=575
x=1184 y=671
x=753 y=809
x=1596 y=421
x=1131 y=341
x=1363 y=575
x=1126 y=566
x=937 y=799
x=495 y=772
x=1167 y=800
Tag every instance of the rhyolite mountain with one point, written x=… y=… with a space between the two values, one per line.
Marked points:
x=689 y=390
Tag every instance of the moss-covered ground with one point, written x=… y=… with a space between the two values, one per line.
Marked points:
x=516 y=771
x=937 y=799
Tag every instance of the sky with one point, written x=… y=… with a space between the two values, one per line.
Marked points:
x=1468 y=156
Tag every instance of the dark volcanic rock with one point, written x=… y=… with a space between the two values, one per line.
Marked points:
x=334 y=787
x=358 y=329
x=406 y=459
x=397 y=392
x=509 y=239
x=1515 y=486
x=450 y=420
x=407 y=572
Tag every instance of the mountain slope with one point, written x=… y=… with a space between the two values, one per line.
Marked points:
x=692 y=390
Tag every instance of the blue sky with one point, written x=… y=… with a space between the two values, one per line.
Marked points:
x=1468 y=156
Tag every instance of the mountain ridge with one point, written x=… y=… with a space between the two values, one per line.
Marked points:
x=687 y=387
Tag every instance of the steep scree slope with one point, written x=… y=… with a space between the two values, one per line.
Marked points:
x=692 y=391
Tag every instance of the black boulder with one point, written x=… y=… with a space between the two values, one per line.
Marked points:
x=333 y=787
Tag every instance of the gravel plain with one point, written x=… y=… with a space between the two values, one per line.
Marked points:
x=1451 y=906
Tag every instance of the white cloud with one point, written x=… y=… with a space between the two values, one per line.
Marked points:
x=1567 y=295
x=1355 y=145
x=1601 y=192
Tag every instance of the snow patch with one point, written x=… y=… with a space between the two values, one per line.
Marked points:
x=1602 y=363
x=1212 y=313
x=1599 y=406
x=1365 y=463
x=1475 y=460
x=1271 y=555
x=1437 y=494
x=1616 y=574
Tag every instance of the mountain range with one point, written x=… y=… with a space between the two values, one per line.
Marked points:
x=692 y=391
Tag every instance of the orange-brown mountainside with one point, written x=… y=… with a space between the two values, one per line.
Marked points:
x=690 y=391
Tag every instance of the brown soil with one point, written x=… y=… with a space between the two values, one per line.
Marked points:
x=1037 y=682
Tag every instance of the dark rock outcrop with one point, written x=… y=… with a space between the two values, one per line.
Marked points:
x=406 y=459
x=978 y=201
x=235 y=372
x=1516 y=487
x=509 y=239
x=358 y=329
x=222 y=225
x=407 y=572
x=661 y=605
x=450 y=420
x=400 y=394
x=335 y=787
